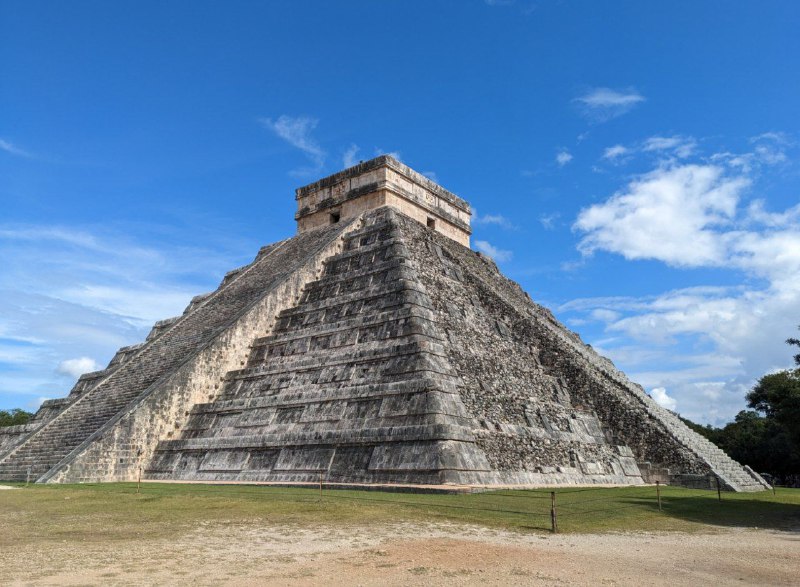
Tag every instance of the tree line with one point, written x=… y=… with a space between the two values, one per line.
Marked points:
x=14 y=417
x=766 y=436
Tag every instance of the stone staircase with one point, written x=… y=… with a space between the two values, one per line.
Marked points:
x=16 y=435
x=169 y=346
x=352 y=383
x=732 y=475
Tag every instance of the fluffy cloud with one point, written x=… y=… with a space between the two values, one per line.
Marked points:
x=77 y=367
x=662 y=398
x=602 y=104
x=707 y=344
x=668 y=214
x=490 y=250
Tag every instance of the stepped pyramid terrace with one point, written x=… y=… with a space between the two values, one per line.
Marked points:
x=372 y=347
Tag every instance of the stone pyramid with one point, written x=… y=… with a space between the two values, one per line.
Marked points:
x=373 y=347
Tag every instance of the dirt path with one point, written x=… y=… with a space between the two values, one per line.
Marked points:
x=410 y=554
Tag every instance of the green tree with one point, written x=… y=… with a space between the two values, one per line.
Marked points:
x=777 y=396
x=14 y=417
x=795 y=342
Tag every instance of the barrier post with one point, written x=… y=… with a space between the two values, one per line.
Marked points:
x=719 y=491
x=553 y=513
x=320 y=486
x=658 y=494
x=139 y=481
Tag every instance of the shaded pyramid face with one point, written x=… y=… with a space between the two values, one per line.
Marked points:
x=403 y=363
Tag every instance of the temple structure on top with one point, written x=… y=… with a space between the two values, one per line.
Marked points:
x=382 y=181
x=372 y=347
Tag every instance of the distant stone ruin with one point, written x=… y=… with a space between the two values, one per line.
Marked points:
x=373 y=347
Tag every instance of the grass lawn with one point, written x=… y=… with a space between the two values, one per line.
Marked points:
x=113 y=511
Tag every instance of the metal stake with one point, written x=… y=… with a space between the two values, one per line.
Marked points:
x=658 y=494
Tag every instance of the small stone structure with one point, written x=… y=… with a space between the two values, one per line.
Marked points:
x=374 y=346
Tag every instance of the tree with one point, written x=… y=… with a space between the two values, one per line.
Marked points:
x=795 y=342
x=773 y=439
x=14 y=417
x=777 y=396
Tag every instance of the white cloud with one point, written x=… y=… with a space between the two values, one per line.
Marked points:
x=548 y=221
x=768 y=149
x=349 y=158
x=490 y=250
x=756 y=212
x=604 y=315
x=431 y=175
x=563 y=157
x=615 y=152
x=668 y=214
x=12 y=149
x=679 y=146
x=492 y=219
x=85 y=292
x=602 y=104
x=77 y=367
x=296 y=130
x=781 y=138
x=703 y=341
x=662 y=398
x=396 y=154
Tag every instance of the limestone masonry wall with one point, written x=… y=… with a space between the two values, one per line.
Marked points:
x=383 y=181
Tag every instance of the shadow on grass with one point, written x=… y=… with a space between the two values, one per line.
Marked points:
x=734 y=511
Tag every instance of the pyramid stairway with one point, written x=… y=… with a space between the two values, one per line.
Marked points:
x=351 y=382
x=173 y=343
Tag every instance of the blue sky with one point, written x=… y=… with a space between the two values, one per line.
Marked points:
x=634 y=165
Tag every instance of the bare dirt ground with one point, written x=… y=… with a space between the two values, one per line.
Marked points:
x=410 y=554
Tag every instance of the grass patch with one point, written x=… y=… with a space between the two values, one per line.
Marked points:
x=113 y=511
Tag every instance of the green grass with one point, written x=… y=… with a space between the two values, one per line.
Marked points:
x=107 y=512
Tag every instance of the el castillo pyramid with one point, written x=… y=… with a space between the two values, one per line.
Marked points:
x=372 y=347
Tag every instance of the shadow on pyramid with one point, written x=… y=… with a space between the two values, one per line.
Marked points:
x=373 y=348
